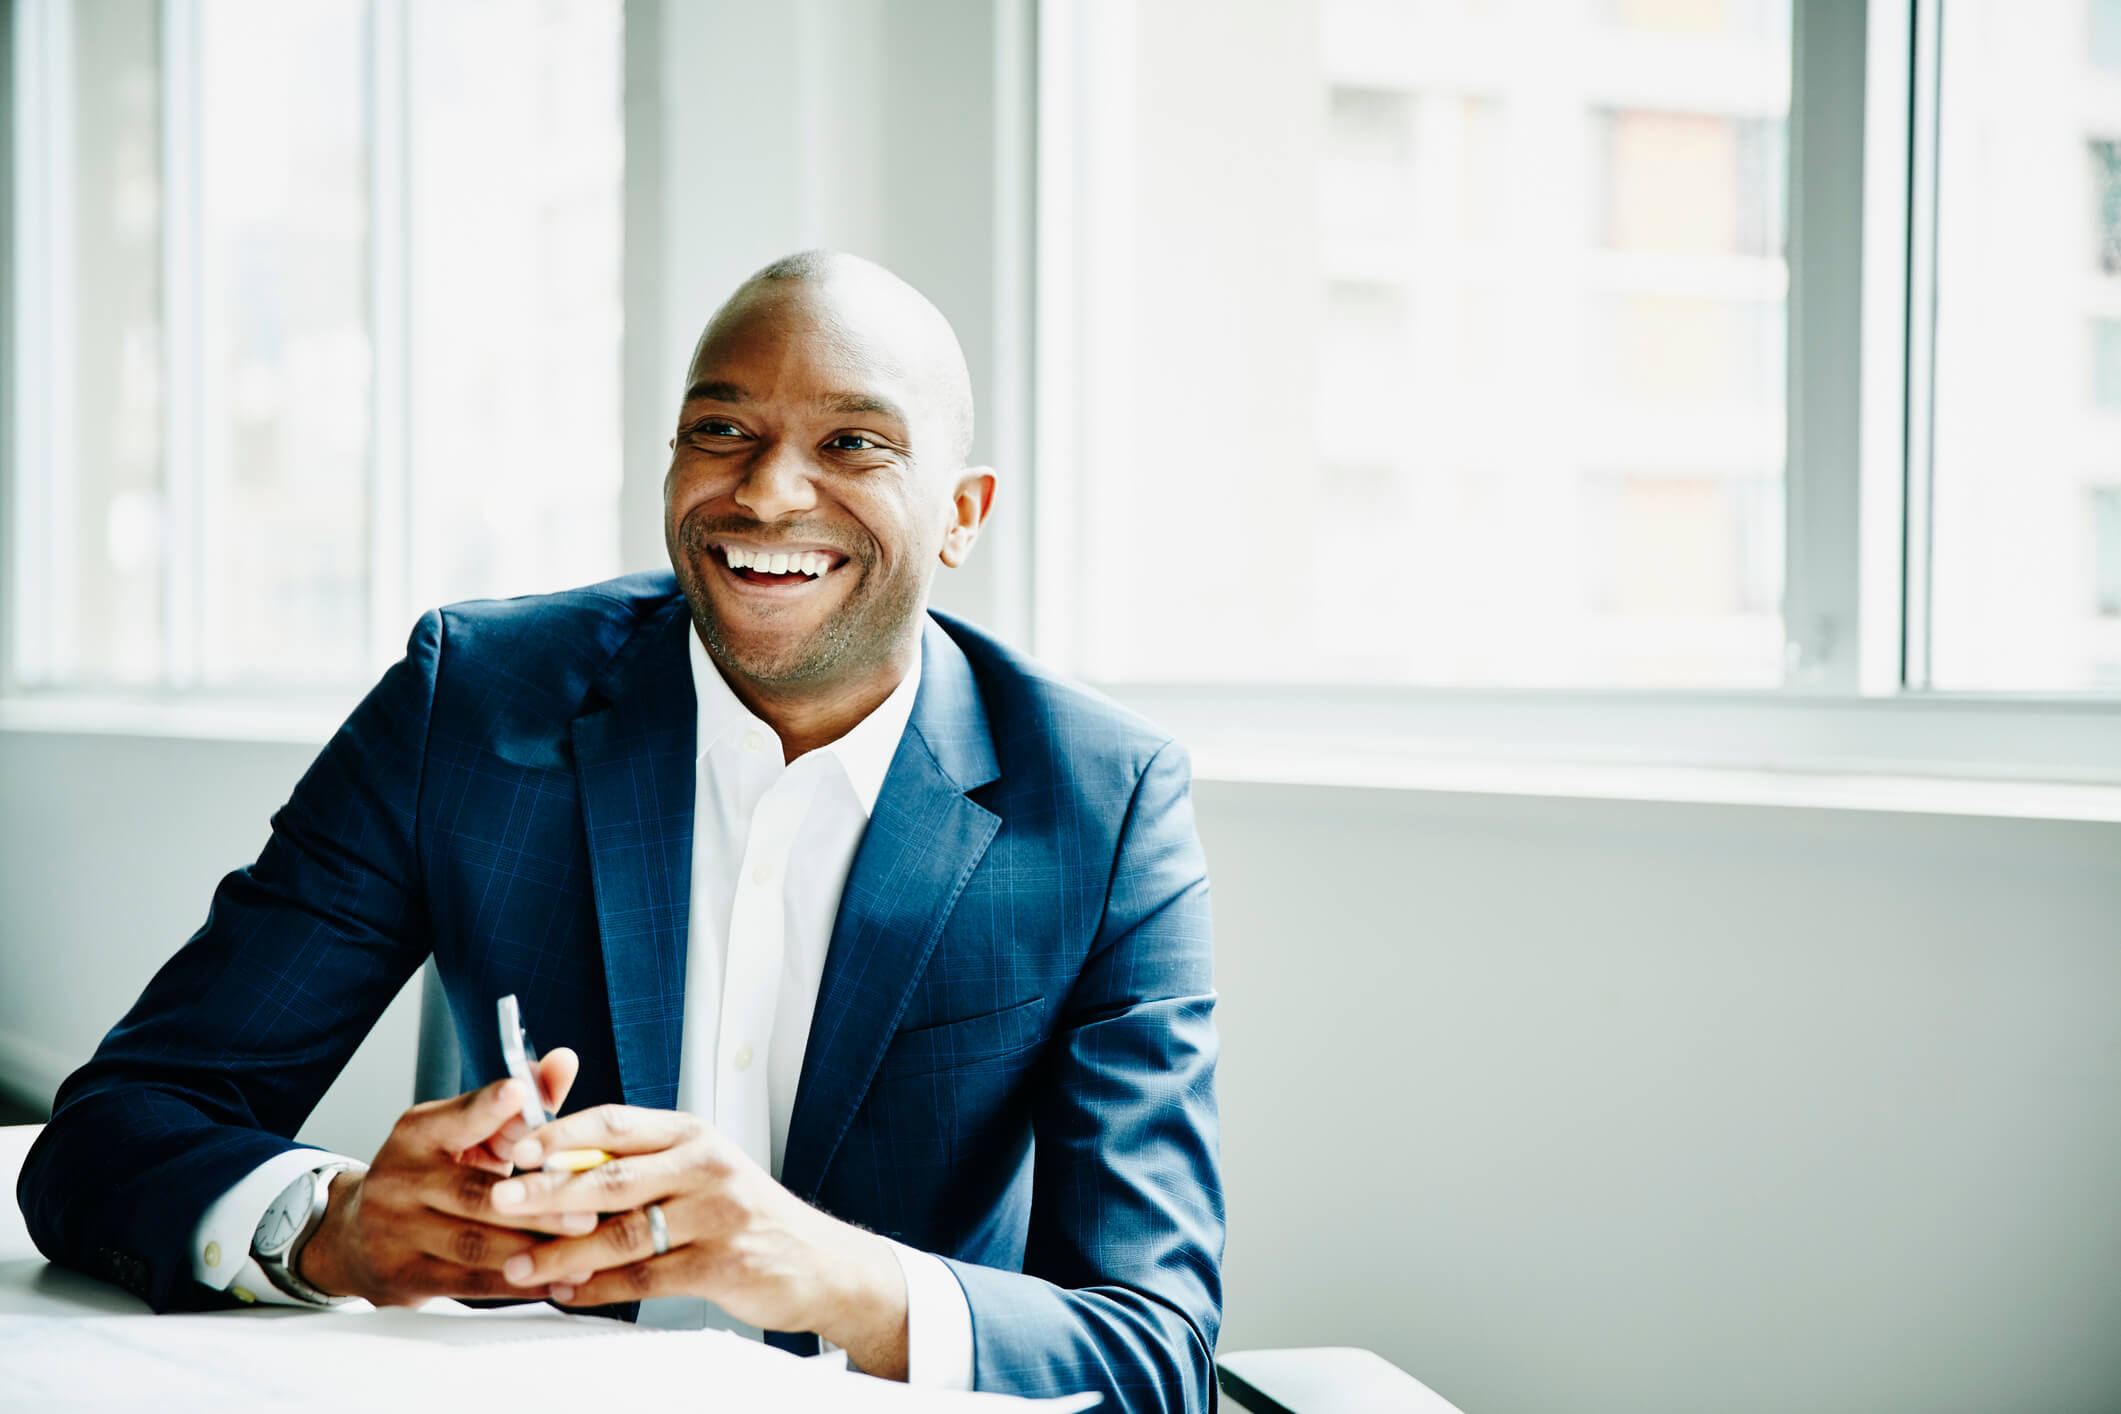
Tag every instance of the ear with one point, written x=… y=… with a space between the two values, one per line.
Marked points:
x=972 y=498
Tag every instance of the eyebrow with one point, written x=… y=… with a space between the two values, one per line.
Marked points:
x=716 y=392
x=862 y=402
x=720 y=392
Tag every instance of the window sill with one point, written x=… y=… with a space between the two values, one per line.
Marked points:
x=1313 y=747
x=1260 y=759
x=305 y=721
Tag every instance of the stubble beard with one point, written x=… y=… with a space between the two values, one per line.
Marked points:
x=860 y=633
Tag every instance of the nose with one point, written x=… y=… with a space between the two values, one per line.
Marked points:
x=776 y=484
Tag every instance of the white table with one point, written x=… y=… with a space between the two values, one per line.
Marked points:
x=444 y=1356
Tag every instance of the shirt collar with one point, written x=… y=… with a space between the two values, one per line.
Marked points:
x=865 y=752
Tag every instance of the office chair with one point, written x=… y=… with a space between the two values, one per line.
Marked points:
x=1317 y=1380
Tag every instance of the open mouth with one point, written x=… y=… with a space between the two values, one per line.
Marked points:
x=777 y=568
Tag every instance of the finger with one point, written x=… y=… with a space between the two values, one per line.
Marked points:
x=556 y=1073
x=617 y=1129
x=621 y=1240
x=673 y=1275
x=466 y=1191
x=452 y=1126
x=464 y=1243
x=425 y=1276
x=492 y=1155
x=484 y=1159
x=607 y=1188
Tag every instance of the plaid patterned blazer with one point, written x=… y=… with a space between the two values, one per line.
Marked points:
x=1012 y=1059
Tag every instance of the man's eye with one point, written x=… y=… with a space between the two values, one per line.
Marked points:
x=851 y=442
x=716 y=427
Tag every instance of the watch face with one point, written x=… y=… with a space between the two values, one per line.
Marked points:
x=283 y=1219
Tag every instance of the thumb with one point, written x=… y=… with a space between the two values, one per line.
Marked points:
x=556 y=1073
x=453 y=1126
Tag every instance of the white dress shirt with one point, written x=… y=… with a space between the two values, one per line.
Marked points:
x=772 y=841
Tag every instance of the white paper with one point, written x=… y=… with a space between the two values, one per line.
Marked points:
x=541 y=1360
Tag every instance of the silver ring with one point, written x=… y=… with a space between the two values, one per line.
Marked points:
x=658 y=1230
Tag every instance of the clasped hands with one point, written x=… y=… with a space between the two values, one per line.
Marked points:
x=441 y=1212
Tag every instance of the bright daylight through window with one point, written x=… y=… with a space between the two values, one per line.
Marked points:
x=318 y=326
x=2025 y=576
x=1450 y=347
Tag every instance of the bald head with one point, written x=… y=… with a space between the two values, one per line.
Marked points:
x=864 y=306
x=818 y=481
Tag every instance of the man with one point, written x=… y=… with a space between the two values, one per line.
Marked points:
x=883 y=954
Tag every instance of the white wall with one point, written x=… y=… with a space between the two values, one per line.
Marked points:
x=1607 y=1106
x=110 y=847
x=1560 y=1104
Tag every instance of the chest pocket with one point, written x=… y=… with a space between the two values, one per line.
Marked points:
x=952 y=1045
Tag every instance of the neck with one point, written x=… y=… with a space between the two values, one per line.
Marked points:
x=810 y=715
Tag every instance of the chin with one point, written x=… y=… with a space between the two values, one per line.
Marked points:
x=771 y=663
x=774 y=658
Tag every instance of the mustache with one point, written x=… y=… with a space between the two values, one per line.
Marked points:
x=696 y=534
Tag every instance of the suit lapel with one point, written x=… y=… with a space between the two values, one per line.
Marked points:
x=923 y=842
x=635 y=763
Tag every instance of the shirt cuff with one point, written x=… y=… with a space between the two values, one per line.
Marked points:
x=938 y=1322
x=220 y=1245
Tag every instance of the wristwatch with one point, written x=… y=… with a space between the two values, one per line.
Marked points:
x=292 y=1220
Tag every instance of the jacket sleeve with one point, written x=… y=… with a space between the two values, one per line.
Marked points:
x=1121 y=1290
x=241 y=1032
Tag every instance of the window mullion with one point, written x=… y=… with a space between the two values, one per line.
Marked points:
x=1056 y=487
x=1015 y=277
x=1883 y=621
x=1823 y=500
x=186 y=533
x=390 y=173
x=1925 y=76
x=39 y=384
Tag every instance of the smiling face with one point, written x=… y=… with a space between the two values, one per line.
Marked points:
x=816 y=480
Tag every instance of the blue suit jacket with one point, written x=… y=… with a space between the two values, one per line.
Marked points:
x=1012 y=1059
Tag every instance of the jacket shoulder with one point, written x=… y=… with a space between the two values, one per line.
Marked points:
x=541 y=654
x=1046 y=726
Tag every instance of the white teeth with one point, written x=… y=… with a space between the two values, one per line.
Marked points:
x=807 y=562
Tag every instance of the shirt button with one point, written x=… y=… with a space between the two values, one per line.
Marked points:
x=242 y=1294
x=213 y=1254
x=760 y=873
x=743 y=1057
x=754 y=743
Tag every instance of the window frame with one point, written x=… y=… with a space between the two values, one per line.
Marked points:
x=1856 y=467
x=34 y=97
x=1855 y=696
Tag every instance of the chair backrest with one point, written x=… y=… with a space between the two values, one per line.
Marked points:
x=438 y=1068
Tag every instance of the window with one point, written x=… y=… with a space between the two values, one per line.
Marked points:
x=2028 y=350
x=317 y=321
x=1423 y=345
